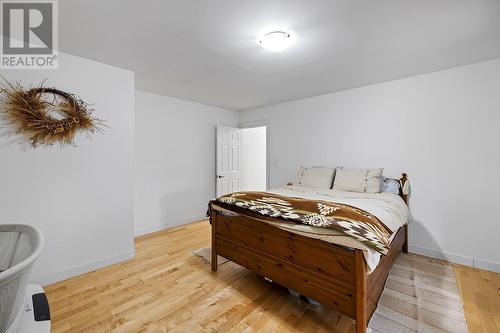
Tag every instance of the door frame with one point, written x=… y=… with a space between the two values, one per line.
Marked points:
x=261 y=123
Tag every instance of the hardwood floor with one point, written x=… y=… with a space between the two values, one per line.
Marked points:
x=480 y=291
x=165 y=288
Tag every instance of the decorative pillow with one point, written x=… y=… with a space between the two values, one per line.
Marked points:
x=358 y=180
x=389 y=185
x=317 y=176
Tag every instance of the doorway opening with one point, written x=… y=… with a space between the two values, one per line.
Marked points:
x=254 y=159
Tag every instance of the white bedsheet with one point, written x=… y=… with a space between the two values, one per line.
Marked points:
x=387 y=207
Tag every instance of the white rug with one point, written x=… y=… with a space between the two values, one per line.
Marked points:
x=420 y=295
x=205 y=255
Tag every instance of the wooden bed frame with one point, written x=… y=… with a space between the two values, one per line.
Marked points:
x=330 y=274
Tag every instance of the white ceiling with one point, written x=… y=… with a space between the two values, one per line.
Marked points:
x=206 y=50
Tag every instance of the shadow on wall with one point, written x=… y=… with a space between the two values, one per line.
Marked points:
x=419 y=228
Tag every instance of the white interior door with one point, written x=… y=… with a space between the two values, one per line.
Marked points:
x=228 y=177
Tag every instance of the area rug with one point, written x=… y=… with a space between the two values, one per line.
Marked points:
x=205 y=255
x=420 y=295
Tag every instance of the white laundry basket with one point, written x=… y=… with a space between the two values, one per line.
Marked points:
x=20 y=246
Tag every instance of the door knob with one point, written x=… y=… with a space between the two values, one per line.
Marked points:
x=219 y=176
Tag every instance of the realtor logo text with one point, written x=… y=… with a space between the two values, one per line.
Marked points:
x=29 y=35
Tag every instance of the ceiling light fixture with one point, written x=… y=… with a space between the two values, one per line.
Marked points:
x=276 y=41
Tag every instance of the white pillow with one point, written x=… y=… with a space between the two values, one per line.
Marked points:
x=358 y=180
x=320 y=177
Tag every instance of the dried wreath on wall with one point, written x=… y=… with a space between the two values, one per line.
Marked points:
x=45 y=116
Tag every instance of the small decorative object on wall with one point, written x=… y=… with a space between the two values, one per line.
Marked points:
x=45 y=116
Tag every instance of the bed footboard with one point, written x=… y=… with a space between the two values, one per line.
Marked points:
x=332 y=275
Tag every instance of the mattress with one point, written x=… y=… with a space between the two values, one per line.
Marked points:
x=387 y=207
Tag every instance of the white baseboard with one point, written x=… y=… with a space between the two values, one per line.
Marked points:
x=163 y=226
x=438 y=254
x=487 y=265
x=85 y=268
x=455 y=258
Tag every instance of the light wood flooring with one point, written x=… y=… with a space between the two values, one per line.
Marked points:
x=165 y=288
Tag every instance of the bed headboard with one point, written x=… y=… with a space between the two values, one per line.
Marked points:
x=405 y=188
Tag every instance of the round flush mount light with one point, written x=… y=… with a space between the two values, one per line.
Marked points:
x=276 y=41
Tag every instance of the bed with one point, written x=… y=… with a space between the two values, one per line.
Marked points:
x=344 y=277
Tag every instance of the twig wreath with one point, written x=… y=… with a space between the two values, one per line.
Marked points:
x=31 y=114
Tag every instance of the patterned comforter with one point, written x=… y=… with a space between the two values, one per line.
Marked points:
x=352 y=221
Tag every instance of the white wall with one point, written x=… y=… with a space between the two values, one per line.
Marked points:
x=442 y=128
x=80 y=197
x=175 y=160
x=253 y=159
